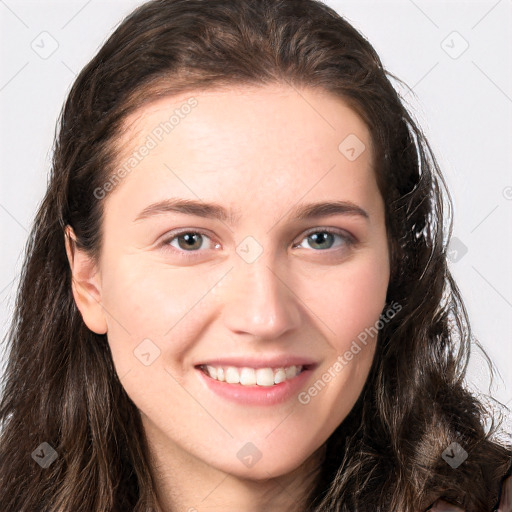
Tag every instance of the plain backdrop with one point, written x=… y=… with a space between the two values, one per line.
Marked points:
x=454 y=55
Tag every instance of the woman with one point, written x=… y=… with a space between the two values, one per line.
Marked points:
x=170 y=350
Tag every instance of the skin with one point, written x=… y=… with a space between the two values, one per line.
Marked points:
x=258 y=151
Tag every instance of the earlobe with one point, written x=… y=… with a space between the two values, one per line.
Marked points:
x=85 y=284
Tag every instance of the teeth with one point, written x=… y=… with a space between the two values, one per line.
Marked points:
x=248 y=377
x=290 y=372
x=252 y=376
x=232 y=375
x=280 y=376
x=264 y=377
x=212 y=371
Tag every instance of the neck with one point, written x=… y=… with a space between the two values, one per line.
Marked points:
x=186 y=485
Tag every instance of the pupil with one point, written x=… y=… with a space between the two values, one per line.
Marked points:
x=320 y=238
x=189 y=239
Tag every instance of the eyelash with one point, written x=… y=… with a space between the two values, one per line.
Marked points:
x=349 y=240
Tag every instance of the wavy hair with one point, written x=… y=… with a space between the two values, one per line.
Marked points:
x=60 y=384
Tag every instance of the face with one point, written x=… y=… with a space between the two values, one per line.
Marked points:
x=263 y=292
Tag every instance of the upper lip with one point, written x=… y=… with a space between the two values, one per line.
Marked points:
x=260 y=361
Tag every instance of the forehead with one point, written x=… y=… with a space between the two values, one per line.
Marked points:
x=277 y=139
x=241 y=117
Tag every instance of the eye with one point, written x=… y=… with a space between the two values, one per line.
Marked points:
x=187 y=241
x=322 y=239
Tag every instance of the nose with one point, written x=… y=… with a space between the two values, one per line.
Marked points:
x=261 y=302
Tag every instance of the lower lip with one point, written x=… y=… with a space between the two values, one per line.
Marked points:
x=257 y=395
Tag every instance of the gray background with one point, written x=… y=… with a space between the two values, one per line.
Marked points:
x=456 y=57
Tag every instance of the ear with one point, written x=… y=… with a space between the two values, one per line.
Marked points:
x=85 y=284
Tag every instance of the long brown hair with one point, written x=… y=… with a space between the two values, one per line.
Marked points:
x=61 y=387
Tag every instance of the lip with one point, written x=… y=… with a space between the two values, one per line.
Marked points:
x=256 y=395
x=260 y=362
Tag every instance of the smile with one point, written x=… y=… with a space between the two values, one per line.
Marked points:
x=251 y=376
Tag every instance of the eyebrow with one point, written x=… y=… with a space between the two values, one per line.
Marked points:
x=217 y=211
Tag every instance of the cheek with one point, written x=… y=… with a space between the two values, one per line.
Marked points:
x=352 y=300
x=349 y=310
x=146 y=299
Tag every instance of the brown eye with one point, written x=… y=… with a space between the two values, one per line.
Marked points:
x=188 y=242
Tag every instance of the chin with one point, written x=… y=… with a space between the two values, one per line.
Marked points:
x=272 y=464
